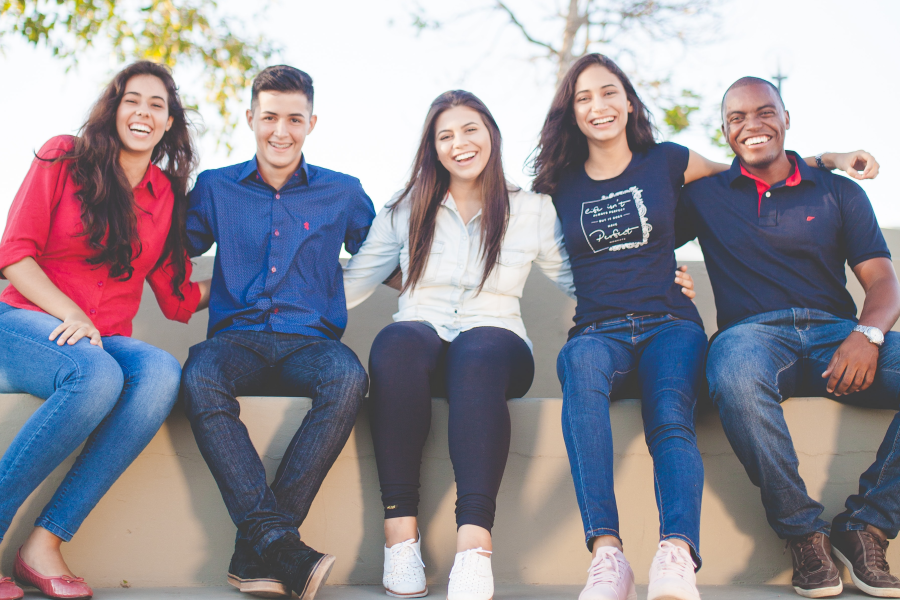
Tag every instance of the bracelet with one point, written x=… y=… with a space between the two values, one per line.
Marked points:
x=819 y=162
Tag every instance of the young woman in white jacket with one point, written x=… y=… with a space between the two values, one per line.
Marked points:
x=465 y=240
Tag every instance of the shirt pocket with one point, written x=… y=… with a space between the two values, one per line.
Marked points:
x=434 y=262
x=509 y=273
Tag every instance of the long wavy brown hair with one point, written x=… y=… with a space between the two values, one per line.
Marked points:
x=563 y=146
x=430 y=181
x=109 y=211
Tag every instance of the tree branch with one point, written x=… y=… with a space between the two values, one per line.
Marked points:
x=512 y=17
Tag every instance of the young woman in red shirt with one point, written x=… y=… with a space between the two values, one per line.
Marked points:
x=96 y=216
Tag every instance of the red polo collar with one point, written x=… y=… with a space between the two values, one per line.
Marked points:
x=762 y=187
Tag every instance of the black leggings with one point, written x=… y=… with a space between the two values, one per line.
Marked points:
x=480 y=370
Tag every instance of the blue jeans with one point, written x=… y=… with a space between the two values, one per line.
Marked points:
x=238 y=363
x=114 y=399
x=665 y=355
x=760 y=362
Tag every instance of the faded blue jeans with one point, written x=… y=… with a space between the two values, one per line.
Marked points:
x=260 y=363
x=665 y=356
x=113 y=399
x=757 y=364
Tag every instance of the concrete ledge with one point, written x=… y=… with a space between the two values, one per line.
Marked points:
x=163 y=524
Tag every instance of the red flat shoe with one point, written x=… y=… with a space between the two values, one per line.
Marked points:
x=9 y=590
x=62 y=586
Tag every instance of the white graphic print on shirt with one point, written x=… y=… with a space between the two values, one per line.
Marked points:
x=616 y=222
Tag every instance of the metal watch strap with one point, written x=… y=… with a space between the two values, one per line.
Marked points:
x=819 y=162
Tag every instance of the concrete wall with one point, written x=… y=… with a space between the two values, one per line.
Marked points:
x=164 y=524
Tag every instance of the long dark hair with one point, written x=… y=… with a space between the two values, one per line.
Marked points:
x=430 y=181
x=108 y=209
x=563 y=146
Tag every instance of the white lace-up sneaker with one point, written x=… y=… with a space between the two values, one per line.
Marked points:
x=609 y=578
x=471 y=577
x=404 y=571
x=672 y=574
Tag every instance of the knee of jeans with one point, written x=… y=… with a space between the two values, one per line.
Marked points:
x=161 y=379
x=198 y=378
x=97 y=375
x=671 y=433
x=352 y=379
x=733 y=376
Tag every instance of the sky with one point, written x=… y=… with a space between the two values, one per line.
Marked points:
x=375 y=77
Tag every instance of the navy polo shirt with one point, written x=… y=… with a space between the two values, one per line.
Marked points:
x=781 y=247
x=620 y=236
x=276 y=266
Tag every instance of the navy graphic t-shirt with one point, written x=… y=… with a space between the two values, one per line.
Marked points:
x=620 y=235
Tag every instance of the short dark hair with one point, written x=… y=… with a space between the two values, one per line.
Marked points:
x=745 y=81
x=282 y=78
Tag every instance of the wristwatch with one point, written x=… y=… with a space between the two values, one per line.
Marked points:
x=872 y=333
x=821 y=164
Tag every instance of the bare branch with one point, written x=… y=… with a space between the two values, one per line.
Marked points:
x=512 y=17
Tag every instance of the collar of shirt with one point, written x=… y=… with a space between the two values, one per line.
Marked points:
x=450 y=203
x=152 y=181
x=251 y=167
x=799 y=173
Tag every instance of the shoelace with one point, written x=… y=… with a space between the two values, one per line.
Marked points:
x=670 y=559
x=467 y=557
x=809 y=556
x=606 y=570
x=875 y=551
x=398 y=548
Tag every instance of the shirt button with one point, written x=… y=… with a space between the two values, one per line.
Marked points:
x=99 y=284
x=768 y=194
x=278 y=196
x=276 y=233
x=274 y=269
x=93 y=311
x=275 y=310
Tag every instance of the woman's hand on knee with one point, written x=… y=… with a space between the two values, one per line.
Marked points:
x=74 y=327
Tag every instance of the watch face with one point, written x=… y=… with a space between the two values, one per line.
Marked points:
x=875 y=335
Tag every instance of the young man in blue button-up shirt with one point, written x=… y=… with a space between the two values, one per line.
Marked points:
x=776 y=235
x=277 y=312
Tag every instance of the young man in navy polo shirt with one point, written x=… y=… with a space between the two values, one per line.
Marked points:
x=277 y=312
x=776 y=234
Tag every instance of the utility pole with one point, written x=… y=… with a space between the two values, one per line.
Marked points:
x=779 y=77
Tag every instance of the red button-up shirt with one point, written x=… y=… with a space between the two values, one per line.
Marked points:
x=45 y=223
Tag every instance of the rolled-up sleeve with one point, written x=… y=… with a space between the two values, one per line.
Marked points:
x=174 y=308
x=28 y=223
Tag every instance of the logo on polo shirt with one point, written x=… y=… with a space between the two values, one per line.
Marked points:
x=808 y=219
x=617 y=221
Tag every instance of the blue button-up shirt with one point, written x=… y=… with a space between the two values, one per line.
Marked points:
x=276 y=266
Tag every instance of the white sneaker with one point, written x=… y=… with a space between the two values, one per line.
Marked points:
x=609 y=578
x=404 y=571
x=471 y=577
x=672 y=574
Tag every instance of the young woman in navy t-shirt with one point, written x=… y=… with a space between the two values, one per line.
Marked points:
x=616 y=191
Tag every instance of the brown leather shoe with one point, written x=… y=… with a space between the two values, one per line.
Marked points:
x=815 y=574
x=862 y=552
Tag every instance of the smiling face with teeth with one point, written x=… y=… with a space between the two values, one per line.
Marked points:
x=463 y=143
x=601 y=106
x=281 y=121
x=143 y=115
x=755 y=122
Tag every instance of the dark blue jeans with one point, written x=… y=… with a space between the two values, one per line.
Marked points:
x=112 y=399
x=760 y=362
x=666 y=356
x=237 y=363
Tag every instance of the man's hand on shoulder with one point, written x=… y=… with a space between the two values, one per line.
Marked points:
x=852 y=368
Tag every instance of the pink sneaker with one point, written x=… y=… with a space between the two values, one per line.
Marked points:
x=672 y=574
x=609 y=578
